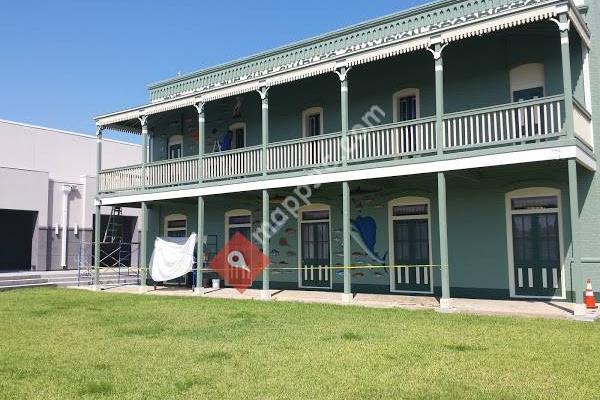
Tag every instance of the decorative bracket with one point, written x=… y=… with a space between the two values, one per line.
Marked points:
x=263 y=92
x=342 y=73
x=199 y=106
x=143 y=120
x=437 y=54
x=562 y=26
x=99 y=129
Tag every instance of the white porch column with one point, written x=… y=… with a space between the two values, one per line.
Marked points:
x=98 y=224
x=67 y=189
x=144 y=121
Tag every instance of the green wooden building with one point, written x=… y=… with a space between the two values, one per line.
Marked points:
x=447 y=150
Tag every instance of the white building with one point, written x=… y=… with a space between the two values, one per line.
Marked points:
x=47 y=188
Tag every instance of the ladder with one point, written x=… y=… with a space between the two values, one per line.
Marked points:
x=114 y=228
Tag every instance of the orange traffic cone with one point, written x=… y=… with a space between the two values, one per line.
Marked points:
x=590 y=300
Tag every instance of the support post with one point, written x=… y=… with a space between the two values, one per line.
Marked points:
x=445 y=302
x=144 y=248
x=347 y=296
x=98 y=221
x=201 y=138
x=266 y=248
x=264 y=96
x=578 y=285
x=563 y=25
x=439 y=98
x=343 y=75
x=144 y=121
x=199 y=289
x=436 y=51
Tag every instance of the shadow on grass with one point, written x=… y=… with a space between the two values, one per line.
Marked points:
x=96 y=388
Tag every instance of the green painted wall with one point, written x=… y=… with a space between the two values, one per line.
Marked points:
x=589 y=183
x=476 y=225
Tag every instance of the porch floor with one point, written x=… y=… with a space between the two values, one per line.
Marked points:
x=523 y=308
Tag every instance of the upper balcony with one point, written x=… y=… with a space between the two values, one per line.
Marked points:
x=499 y=95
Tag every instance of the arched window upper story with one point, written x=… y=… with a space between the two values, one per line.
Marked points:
x=406 y=104
x=312 y=122
x=527 y=82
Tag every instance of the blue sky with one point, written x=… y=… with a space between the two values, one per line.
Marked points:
x=64 y=62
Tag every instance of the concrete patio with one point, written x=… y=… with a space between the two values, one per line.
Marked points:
x=521 y=308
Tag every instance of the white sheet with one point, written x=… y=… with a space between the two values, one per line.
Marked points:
x=172 y=258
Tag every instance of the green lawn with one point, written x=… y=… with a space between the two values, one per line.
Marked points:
x=57 y=344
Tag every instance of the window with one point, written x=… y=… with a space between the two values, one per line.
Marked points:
x=314 y=247
x=238 y=221
x=176 y=226
x=527 y=82
x=410 y=245
x=312 y=122
x=238 y=138
x=535 y=250
x=175 y=147
x=406 y=105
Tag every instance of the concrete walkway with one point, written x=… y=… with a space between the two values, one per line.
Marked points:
x=535 y=309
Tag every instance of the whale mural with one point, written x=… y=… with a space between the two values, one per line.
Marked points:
x=364 y=233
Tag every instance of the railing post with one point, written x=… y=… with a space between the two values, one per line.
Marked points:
x=346 y=228
x=199 y=289
x=437 y=50
x=264 y=96
x=266 y=248
x=144 y=122
x=201 y=137
x=97 y=223
x=342 y=73
x=563 y=25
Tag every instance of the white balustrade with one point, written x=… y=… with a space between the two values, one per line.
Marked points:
x=172 y=172
x=529 y=120
x=298 y=154
x=236 y=163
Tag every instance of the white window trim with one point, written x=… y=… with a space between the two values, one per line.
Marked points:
x=236 y=213
x=408 y=201
x=174 y=140
x=587 y=89
x=174 y=217
x=232 y=128
x=314 y=207
x=406 y=93
x=305 y=114
x=528 y=80
x=533 y=192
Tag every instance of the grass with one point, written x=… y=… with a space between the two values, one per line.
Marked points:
x=59 y=344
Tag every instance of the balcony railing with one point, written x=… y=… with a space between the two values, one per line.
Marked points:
x=515 y=123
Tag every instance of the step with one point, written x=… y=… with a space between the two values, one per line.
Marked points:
x=14 y=282
x=16 y=275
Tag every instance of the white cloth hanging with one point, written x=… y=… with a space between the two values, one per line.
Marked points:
x=172 y=258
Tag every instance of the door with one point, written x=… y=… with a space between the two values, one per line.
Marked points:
x=536 y=250
x=16 y=236
x=530 y=119
x=411 y=255
x=315 y=255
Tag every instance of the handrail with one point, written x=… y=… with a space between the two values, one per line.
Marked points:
x=392 y=125
x=230 y=152
x=303 y=139
x=505 y=106
x=583 y=109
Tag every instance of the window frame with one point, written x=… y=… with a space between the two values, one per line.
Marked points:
x=306 y=114
x=408 y=92
x=408 y=201
x=174 y=140
x=233 y=128
x=527 y=76
x=171 y=218
x=237 y=213
x=525 y=193
x=314 y=207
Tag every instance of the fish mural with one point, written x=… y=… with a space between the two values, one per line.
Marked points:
x=358 y=274
x=364 y=233
x=290 y=230
x=339 y=274
x=378 y=274
x=284 y=263
x=283 y=242
x=291 y=253
x=274 y=253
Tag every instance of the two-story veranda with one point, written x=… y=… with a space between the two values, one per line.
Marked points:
x=454 y=140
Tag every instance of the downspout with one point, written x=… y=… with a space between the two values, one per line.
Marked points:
x=67 y=189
